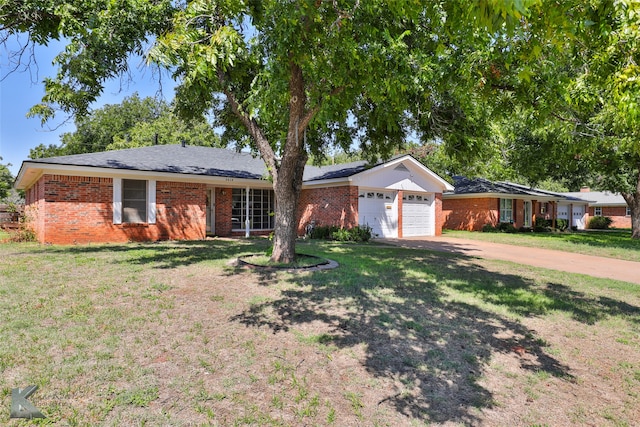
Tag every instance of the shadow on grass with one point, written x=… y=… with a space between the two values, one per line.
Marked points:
x=399 y=304
x=402 y=305
x=167 y=254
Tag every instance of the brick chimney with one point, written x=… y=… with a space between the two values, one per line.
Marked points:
x=585 y=189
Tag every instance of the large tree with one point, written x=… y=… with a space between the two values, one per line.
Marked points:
x=135 y=122
x=286 y=77
x=580 y=119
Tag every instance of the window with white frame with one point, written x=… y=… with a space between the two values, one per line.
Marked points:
x=597 y=211
x=134 y=201
x=628 y=211
x=259 y=206
x=506 y=210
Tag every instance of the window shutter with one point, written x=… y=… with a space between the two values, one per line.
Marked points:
x=151 y=196
x=117 y=200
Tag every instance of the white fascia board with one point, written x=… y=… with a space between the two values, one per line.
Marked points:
x=419 y=166
x=31 y=172
x=335 y=182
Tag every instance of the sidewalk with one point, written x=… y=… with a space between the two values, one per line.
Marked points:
x=607 y=268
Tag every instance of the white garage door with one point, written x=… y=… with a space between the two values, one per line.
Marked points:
x=563 y=212
x=417 y=215
x=376 y=209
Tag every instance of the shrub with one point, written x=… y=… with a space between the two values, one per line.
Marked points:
x=359 y=233
x=489 y=228
x=542 y=225
x=599 y=223
x=323 y=231
x=507 y=227
x=24 y=233
x=562 y=224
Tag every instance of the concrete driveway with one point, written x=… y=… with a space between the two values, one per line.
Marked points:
x=607 y=268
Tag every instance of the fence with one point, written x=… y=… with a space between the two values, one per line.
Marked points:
x=10 y=216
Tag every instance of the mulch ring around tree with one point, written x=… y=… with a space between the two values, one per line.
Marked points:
x=311 y=263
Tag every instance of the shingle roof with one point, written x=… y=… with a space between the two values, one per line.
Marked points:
x=484 y=186
x=191 y=160
x=194 y=160
x=315 y=173
x=600 y=198
x=481 y=185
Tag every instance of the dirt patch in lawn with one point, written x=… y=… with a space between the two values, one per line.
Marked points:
x=411 y=341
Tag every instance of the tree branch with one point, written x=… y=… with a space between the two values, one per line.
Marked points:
x=252 y=126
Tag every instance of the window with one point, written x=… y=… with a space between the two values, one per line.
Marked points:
x=261 y=204
x=628 y=211
x=134 y=201
x=543 y=208
x=506 y=210
x=597 y=211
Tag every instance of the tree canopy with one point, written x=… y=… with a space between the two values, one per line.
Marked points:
x=135 y=122
x=288 y=78
x=6 y=180
x=577 y=118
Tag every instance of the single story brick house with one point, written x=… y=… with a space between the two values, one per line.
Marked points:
x=477 y=202
x=606 y=203
x=187 y=192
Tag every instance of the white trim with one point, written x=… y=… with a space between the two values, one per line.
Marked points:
x=117 y=200
x=151 y=201
x=247 y=222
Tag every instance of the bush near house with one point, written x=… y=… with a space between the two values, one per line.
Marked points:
x=507 y=227
x=489 y=228
x=562 y=224
x=359 y=233
x=503 y=227
x=600 y=223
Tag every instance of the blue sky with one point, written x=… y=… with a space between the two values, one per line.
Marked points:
x=22 y=89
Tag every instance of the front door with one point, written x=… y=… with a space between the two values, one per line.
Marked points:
x=527 y=214
x=211 y=211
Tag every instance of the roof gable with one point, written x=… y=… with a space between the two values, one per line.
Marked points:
x=402 y=173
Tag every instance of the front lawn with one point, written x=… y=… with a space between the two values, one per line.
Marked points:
x=173 y=334
x=610 y=244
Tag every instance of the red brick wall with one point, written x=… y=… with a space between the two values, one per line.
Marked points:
x=223 y=212
x=34 y=208
x=328 y=206
x=181 y=211
x=69 y=209
x=469 y=214
x=618 y=215
x=439 y=214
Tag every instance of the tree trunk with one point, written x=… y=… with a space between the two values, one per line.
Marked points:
x=633 y=201
x=287 y=179
x=287 y=190
x=286 y=173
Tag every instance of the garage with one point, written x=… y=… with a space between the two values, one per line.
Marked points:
x=417 y=215
x=378 y=210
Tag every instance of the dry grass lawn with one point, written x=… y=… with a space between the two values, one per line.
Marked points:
x=172 y=334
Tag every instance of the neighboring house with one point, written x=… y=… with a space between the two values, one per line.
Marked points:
x=187 y=192
x=606 y=203
x=477 y=202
